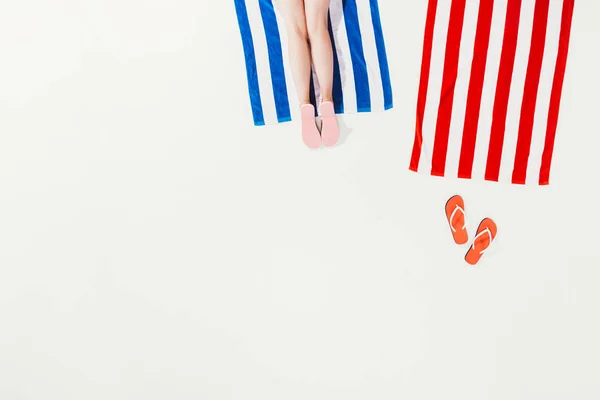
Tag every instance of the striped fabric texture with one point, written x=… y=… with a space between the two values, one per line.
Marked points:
x=491 y=81
x=361 y=81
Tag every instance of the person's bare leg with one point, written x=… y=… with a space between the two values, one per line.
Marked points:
x=300 y=61
x=317 y=22
x=298 y=47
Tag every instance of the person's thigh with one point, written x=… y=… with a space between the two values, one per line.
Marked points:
x=292 y=12
x=316 y=12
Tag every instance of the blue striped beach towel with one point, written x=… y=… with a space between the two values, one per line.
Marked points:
x=361 y=74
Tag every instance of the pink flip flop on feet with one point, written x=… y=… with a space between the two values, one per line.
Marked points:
x=330 y=131
x=310 y=132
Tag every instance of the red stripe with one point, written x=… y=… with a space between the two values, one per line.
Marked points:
x=530 y=91
x=555 y=96
x=422 y=97
x=480 y=51
x=442 y=130
x=507 y=61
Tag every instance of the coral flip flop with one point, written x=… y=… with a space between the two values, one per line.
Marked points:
x=330 y=131
x=310 y=132
x=455 y=213
x=486 y=233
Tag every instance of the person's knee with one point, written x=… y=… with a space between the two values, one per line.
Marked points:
x=317 y=28
x=298 y=27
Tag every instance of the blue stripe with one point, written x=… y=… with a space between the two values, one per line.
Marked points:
x=359 y=64
x=250 y=57
x=282 y=105
x=338 y=98
x=382 y=56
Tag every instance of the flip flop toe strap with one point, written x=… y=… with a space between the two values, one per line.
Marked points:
x=486 y=231
x=458 y=208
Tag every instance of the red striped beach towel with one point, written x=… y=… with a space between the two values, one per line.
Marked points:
x=491 y=82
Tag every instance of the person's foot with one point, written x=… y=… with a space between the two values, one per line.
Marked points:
x=310 y=132
x=330 y=131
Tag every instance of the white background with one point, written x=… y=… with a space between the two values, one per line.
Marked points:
x=155 y=245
